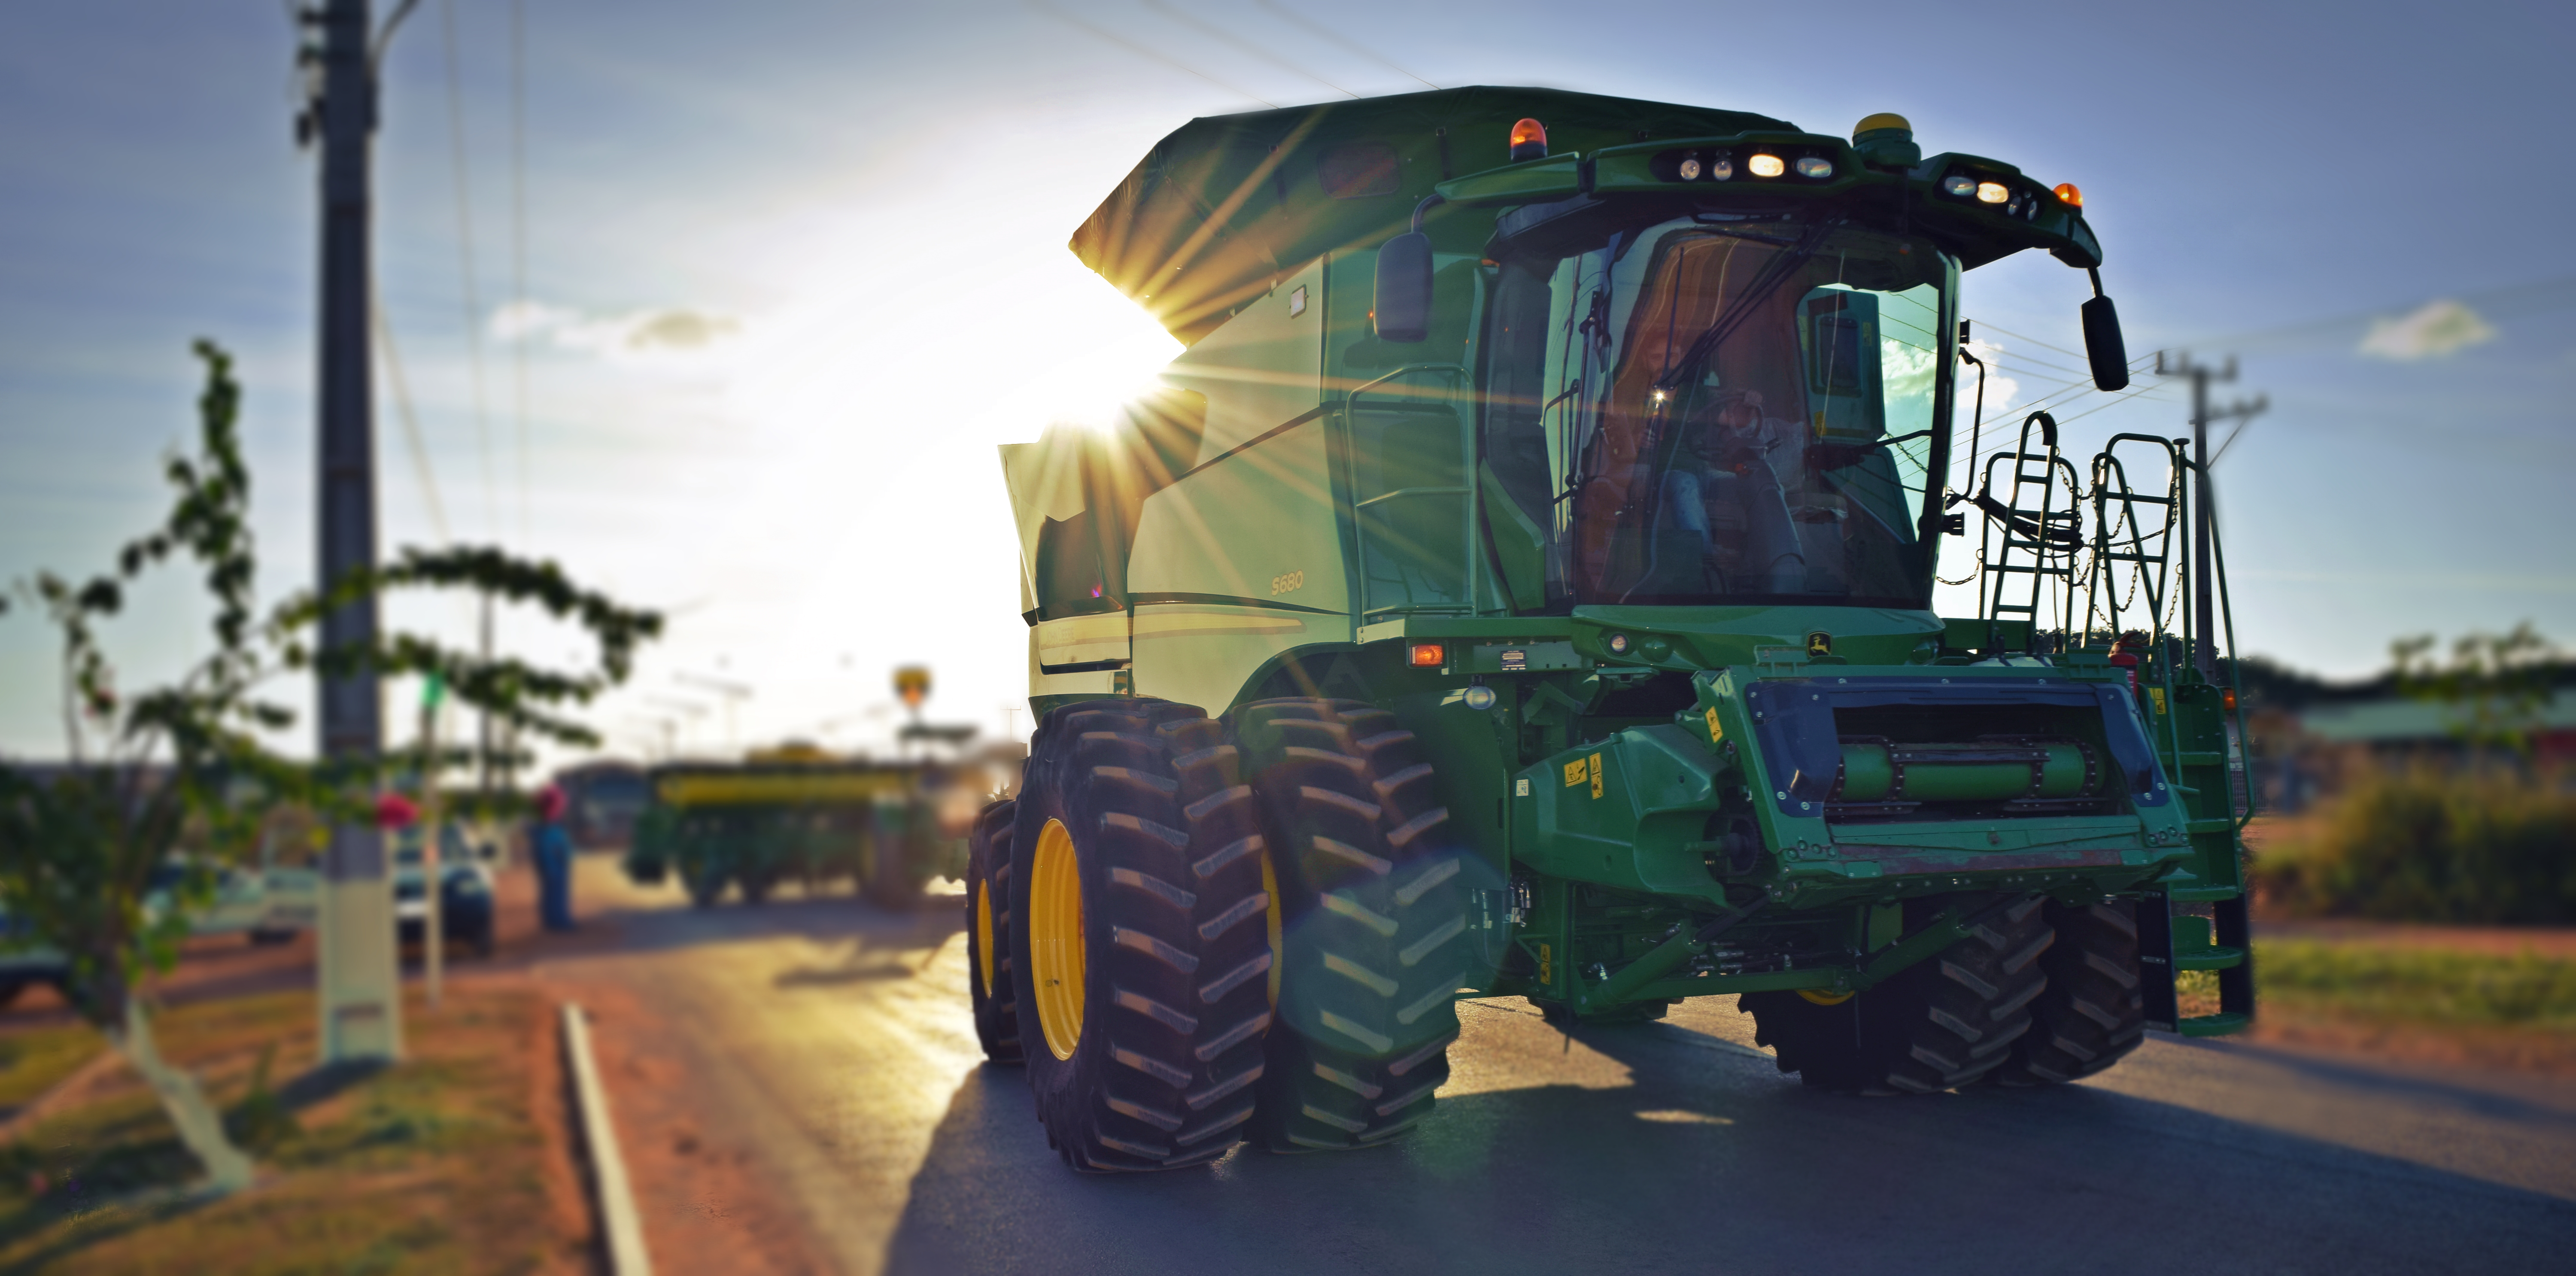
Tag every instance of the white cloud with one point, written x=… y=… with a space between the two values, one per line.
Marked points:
x=635 y=336
x=2437 y=329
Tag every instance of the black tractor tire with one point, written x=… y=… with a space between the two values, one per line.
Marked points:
x=988 y=930
x=1175 y=998
x=1372 y=914
x=705 y=882
x=1940 y=1024
x=2094 y=1011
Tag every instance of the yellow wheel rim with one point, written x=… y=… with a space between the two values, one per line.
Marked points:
x=984 y=933
x=1055 y=938
x=1826 y=998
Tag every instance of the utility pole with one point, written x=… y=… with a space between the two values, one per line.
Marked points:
x=360 y=993
x=2204 y=594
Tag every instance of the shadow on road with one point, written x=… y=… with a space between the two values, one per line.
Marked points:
x=1705 y=1159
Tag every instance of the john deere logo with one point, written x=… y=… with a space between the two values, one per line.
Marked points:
x=1820 y=643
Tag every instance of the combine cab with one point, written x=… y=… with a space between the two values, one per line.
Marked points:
x=1523 y=586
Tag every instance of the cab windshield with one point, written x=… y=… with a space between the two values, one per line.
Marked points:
x=1713 y=410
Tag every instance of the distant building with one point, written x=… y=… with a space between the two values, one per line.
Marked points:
x=2402 y=730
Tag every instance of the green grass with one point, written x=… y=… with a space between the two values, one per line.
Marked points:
x=2421 y=984
x=33 y=1060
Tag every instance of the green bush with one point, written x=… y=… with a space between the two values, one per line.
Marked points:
x=2426 y=846
x=2417 y=983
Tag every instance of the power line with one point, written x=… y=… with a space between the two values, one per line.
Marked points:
x=420 y=470
x=2071 y=354
x=1143 y=52
x=1245 y=45
x=1327 y=33
x=465 y=257
x=519 y=246
x=2530 y=298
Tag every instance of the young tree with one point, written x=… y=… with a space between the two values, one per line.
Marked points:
x=2496 y=685
x=194 y=758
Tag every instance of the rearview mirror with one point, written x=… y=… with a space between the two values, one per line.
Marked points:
x=2102 y=345
x=1402 y=306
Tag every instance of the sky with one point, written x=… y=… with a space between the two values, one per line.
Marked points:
x=728 y=314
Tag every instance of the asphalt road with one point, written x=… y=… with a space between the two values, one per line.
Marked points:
x=832 y=1042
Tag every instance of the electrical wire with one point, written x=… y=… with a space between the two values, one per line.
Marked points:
x=2072 y=354
x=465 y=258
x=1219 y=33
x=519 y=246
x=1143 y=52
x=1327 y=33
x=420 y=469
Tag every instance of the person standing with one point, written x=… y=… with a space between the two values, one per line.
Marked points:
x=551 y=848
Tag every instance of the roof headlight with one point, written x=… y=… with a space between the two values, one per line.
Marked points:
x=1690 y=168
x=1766 y=166
x=1959 y=184
x=1992 y=192
x=1721 y=167
x=1816 y=167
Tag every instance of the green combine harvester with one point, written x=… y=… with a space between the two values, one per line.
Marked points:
x=1522 y=585
x=795 y=814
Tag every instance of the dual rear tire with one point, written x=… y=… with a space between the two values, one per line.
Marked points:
x=1212 y=929
x=2037 y=993
x=1137 y=912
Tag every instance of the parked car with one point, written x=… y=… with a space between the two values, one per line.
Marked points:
x=20 y=967
x=270 y=905
x=465 y=895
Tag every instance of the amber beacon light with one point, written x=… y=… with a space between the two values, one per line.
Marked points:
x=1529 y=141
x=2070 y=195
x=1427 y=655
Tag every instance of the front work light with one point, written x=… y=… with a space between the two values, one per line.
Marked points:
x=1959 y=184
x=1426 y=655
x=1815 y=166
x=1992 y=193
x=1690 y=168
x=1619 y=642
x=1529 y=141
x=1766 y=166
x=2069 y=195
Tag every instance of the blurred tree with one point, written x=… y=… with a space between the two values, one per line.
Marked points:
x=194 y=759
x=2496 y=684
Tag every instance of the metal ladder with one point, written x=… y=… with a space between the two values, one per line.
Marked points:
x=2040 y=537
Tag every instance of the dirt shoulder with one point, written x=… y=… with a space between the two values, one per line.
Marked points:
x=2495 y=997
x=461 y=1158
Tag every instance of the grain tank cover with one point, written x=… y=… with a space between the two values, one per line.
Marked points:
x=1220 y=210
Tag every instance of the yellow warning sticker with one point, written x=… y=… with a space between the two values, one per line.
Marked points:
x=2157 y=694
x=1594 y=762
x=1715 y=733
x=1573 y=773
x=1546 y=965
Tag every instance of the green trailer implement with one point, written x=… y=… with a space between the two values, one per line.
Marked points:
x=796 y=815
x=1522 y=585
